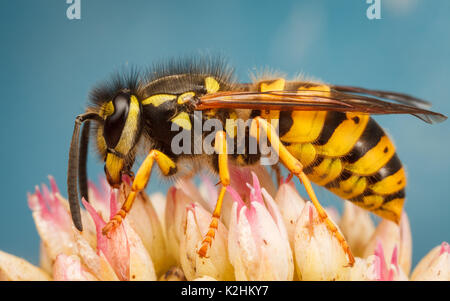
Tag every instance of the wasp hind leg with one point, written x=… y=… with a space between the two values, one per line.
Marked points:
x=295 y=167
x=140 y=181
x=224 y=174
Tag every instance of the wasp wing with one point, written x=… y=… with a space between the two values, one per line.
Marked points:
x=312 y=100
x=398 y=97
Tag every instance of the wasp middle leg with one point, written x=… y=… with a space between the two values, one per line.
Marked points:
x=167 y=167
x=295 y=167
x=224 y=175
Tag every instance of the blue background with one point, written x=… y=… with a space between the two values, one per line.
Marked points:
x=49 y=64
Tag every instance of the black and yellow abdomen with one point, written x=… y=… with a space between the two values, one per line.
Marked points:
x=350 y=155
x=347 y=153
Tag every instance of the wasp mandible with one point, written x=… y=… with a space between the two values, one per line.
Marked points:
x=325 y=134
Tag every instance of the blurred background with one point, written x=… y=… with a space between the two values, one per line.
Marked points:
x=49 y=63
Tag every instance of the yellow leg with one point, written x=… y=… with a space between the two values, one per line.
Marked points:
x=224 y=174
x=139 y=183
x=296 y=168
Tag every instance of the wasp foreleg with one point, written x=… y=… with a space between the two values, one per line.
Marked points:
x=167 y=167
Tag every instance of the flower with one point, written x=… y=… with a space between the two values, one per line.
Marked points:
x=216 y=264
x=393 y=238
x=357 y=227
x=258 y=242
x=264 y=234
x=435 y=265
x=319 y=255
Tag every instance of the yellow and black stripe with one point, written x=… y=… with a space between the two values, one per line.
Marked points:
x=348 y=153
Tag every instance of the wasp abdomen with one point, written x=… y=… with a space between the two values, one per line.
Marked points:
x=350 y=155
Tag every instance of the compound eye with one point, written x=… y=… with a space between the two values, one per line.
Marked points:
x=115 y=122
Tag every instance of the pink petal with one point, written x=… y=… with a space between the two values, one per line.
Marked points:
x=115 y=248
x=32 y=202
x=58 y=214
x=53 y=184
x=257 y=189
x=394 y=259
x=45 y=213
x=380 y=266
x=236 y=198
x=127 y=180
x=239 y=178
x=113 y=207
x=46 y=195
x=445 y=248
x=394 y=263
x=255 y=196
x=382 y=270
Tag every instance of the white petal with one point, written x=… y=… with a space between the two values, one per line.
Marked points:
x=54 y=240
x=390 y=234
x=144 y=220
x=357 y=227
x=363 y=270
x=318 y=254
x=290 y=204
x=69 y=268
x=13 y=268
x=176 y=204
x=405 y=252
x=435 y=266
x=216 y=264
x=44 y=260
x=97 y=264
x=258 y=249
x=276 y=254
x=158 y=201
x=141 y=265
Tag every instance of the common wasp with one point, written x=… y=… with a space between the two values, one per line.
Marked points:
x=323 y=134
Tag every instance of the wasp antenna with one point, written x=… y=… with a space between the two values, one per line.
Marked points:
x=73 y=167
x=82 y=161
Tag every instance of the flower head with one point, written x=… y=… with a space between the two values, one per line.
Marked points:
x=263 y=234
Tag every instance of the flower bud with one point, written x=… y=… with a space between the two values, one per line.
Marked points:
x=290 y=204
x=258 y=244
x=216 y=263
x=357 y=227
x=318 y=253
x=435 y=266
x=393 y=236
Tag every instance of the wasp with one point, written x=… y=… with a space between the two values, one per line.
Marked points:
x=324 y=134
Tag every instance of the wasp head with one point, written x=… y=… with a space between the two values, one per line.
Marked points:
x=119 y=134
